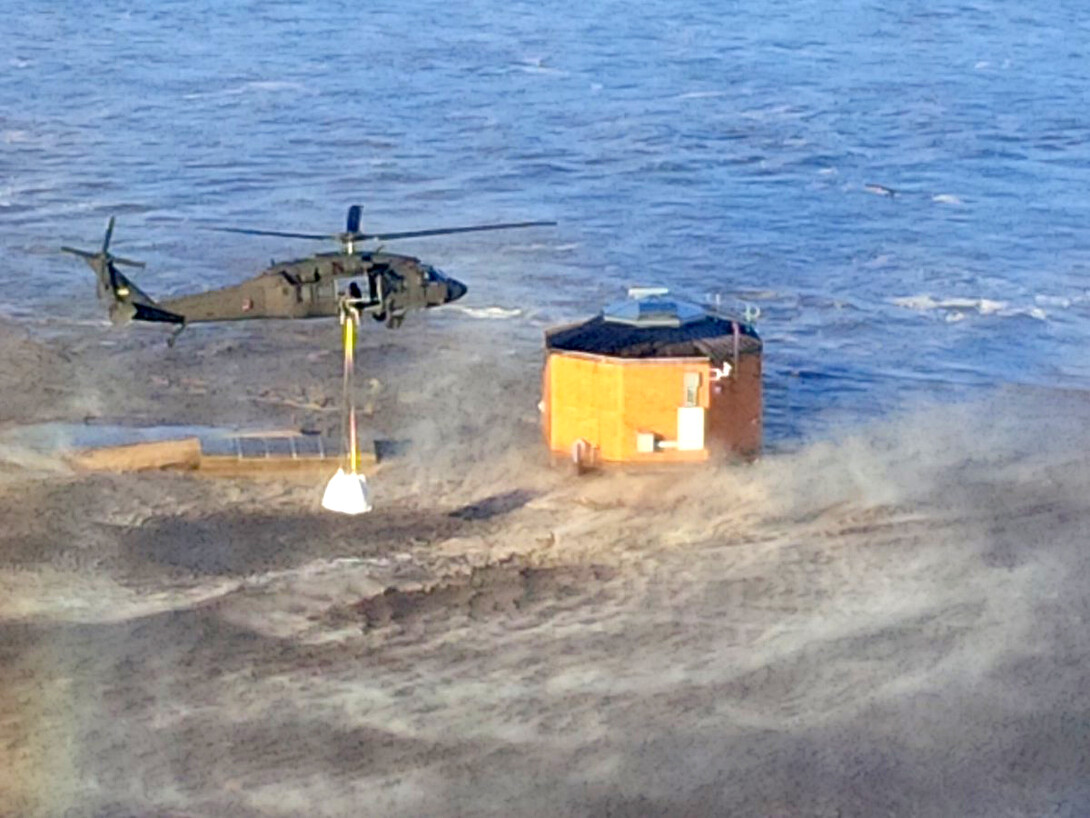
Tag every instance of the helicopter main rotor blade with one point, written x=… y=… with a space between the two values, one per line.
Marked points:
x=282 y=234
x=351 y=235
x=352 y=223
x=442 y=231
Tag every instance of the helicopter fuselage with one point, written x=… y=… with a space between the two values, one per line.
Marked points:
x=382 y=284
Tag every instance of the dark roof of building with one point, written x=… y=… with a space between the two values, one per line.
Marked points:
x=701 y=335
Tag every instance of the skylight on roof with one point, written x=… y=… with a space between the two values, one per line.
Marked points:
x=652 y=310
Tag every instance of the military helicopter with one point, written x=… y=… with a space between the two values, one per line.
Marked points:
x=384 y=285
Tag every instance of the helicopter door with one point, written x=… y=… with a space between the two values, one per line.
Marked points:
x=312 y=288
x=353 y=288
x=321 y=297
x=293 y=288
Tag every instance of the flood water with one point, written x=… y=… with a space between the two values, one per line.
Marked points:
x=719 y=150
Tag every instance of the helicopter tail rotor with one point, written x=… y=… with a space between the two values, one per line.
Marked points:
x=126 y=300
x=109 y=235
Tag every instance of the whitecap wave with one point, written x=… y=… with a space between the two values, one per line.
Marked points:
x=879 y=190
x=493 y=313
x=273 y=85
x=261 y=86
x=956 y=309
x=1056 y=301
x=536 y=65
x=537 y=247
x=701 y=94
x=922 y=303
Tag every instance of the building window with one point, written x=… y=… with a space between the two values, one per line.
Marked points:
x=692 y=389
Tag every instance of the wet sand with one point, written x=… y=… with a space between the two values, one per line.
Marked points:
x=891 y=622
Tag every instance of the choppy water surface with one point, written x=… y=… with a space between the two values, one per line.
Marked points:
x=716 y=148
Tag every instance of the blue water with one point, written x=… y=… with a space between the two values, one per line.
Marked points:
x=715 y=147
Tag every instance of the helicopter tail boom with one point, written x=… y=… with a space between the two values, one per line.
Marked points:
x=130 y=303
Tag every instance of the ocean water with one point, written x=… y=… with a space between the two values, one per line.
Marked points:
x=727 y=150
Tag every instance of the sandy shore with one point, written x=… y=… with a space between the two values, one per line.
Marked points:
x=891 y=623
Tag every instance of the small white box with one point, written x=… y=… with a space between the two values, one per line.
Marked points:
x=645 y=442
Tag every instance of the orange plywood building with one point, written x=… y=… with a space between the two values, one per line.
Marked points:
x=652 y=380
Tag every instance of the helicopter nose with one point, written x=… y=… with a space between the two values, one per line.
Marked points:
x=455 y=289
